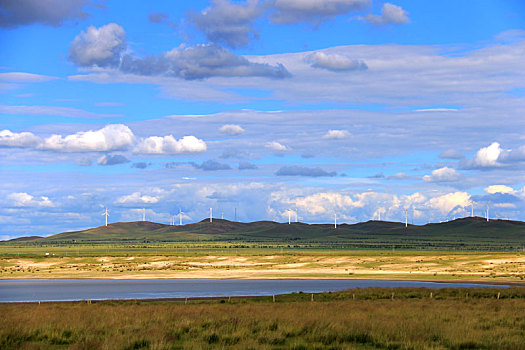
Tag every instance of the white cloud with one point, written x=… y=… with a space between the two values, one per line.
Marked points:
x=99 y=46
x=21 y=77
x=487 y=156
x=22 y=139
x=336 y=134
x=446 y=203
x=276 y=146
x=109 y=138
x=499 y=189
x=321 y=203
x=168 y=144
x=22 y=199
x=444 y=174
x=334 y=62
x=231 y=129
x=67 y=112
x=390 y=14
x=137 y=198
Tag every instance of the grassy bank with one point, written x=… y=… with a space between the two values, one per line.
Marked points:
x=367 y=319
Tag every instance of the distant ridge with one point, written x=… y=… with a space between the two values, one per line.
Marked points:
x=473 y=232
x=24 y=239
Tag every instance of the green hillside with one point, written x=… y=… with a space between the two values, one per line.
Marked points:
x=467 y=233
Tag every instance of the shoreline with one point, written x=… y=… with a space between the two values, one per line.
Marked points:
x=454 y=281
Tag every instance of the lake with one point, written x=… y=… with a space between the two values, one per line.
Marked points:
x=30 y=290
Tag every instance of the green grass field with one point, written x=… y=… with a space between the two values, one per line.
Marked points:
x=354 y=319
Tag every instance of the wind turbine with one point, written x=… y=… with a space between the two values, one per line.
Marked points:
x=180 y=217
x=106 y=214
x=211 y=215
x=472 y=208
x=335 y=220
x=487 y=212
x=406 y=217
x=235 y=217
x=289 y=216
x=295 y=214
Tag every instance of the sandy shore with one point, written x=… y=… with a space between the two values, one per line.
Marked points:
x=490 y=268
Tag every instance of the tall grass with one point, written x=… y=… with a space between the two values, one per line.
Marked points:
x=353 y=319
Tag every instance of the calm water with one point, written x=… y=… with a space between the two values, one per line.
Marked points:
x=67 y=290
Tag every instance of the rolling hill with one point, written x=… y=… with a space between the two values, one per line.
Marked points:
x=467 y=233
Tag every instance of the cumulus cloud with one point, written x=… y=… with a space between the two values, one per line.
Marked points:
x=22 y=139
x=390 y=14
x=298 y=170
x=210 y=165
x=137 y=198
x=334 y=62
x=22 y=199
x=170 y=145
x=324 y=202
x=200 y=62
x=486 y=157
x=276 y=146
x=231 y=129
x=336 y=135
x=100 y=47
x=499 y=189
x=247 y=166
x=109 y=138
x=446 y=203
x=14 y=13
x=444 y=174
x=312 y=11
x=228 y=23
x=112 y=159
x=105 y=47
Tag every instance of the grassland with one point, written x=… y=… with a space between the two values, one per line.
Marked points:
x=354 y=319
x=489 y=267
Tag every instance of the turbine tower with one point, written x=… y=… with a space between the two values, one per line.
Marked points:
x=406 y=217
x=295 y=214
x=180 y=217
x=335 y=220
x=235 y=217
x=487 y=212
x=289 y=216
x=472 y=208
x=211 y=215
x=106 y=214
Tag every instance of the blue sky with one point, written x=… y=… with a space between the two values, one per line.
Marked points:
x=356 y=107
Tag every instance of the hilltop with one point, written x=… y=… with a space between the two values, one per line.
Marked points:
x=465 y=233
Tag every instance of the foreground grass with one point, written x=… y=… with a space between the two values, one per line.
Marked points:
x=367 y=319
